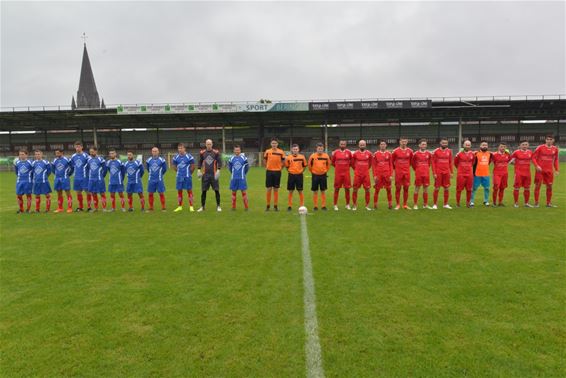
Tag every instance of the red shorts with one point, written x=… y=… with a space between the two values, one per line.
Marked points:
x=464 y=182
x=546 y=177
x=362 y=181
x=422 y=180
x=500 y=181
x=383 y=182
x=442 y=180
x=342 y=180
x=402 y=179
x=522 y=181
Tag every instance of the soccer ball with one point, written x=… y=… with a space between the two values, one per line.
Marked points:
x=303 y=210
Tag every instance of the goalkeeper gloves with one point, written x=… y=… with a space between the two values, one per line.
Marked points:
x=199 y=174
x=217 y=175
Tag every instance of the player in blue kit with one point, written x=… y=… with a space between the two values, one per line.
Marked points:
x=134 y=172
x=116 y=181
x=80 y=180
x=24 y=172
x=96 y=172
x=238 y=166
x=40 y=178
x=184 y=164
x=156 y=166
x=63 y=170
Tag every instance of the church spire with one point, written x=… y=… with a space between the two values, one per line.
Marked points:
x=87 y=95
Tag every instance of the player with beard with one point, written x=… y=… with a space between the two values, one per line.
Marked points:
x=442 y=171
x=464 y=163
x=481 y=173
x=342 y=162
x=361 y=162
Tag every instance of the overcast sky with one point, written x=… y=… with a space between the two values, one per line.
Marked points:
x=185 y=51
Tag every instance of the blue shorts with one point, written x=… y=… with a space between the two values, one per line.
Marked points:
x=134 y=187
x=80 y=185
x=481 y=181
x=115 y=188
x=184 y=183
x=62 y=184
x=96 y=186
x=155 y=186
x=238 y=184
x=23 y=188
x=41 y=188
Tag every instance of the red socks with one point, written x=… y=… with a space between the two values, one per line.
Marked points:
x=245 y=198
x=162 y=200
x=21 y=203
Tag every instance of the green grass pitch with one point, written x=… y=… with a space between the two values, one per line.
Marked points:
x=467 y=292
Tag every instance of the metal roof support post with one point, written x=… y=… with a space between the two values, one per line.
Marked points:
x=460 y=134
x=325 y=135
x=94 y=137
x=260 y=132
x=223 y=139
x=291 y=137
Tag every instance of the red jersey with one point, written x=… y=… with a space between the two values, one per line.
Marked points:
x=546 y=157
x=361 y=162
x=500 y=162
x=522 y=162
x=421 y=162
x=464 y=162
x=401 y=160
x=342 y=160
x=442 y=161
x=381 y=163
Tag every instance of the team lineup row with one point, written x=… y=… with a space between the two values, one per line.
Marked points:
x=473 y=171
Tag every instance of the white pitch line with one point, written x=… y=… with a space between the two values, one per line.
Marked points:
x=312 y=343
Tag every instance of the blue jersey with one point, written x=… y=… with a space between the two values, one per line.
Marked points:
x=156 y=168
x=183 y=163
x=238 y=166
x=134 y=170
x=96 y=168
x=116 y=169
x=24 y=170
x=62 y=167
x=41 y=171
x=78 y=162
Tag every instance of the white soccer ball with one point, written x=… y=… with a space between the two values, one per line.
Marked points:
x=303 y=210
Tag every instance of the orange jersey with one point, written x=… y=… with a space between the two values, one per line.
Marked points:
x=274 y=159
x=319 y=164
x=296 y=164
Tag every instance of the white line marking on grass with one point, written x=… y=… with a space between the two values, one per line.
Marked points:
x=312 y=343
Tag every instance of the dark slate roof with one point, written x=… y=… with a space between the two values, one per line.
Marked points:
x=87 y=95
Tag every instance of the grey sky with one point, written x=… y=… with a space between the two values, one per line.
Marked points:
x=181 y=52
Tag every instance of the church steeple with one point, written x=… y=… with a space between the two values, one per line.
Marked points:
x=87 y=95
